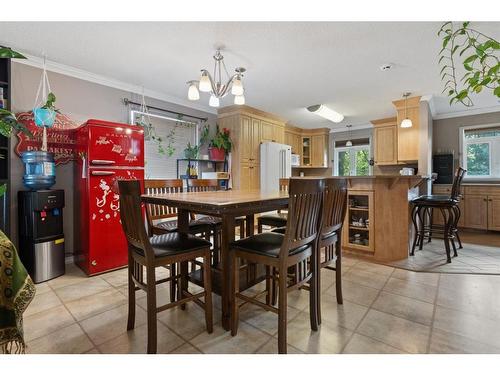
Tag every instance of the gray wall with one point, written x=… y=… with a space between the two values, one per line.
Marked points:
x=80 y=100
x=446 y=131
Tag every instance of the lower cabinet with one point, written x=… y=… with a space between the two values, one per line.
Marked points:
x=249 y=176
x=494 y=213
x=476 y=211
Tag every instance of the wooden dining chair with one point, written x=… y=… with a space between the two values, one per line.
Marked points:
x=295 y=248
x=158 y=251
x=276 y=219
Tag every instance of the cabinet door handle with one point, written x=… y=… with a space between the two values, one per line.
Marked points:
x=484 y=199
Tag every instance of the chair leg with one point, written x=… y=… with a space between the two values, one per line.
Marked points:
x=338 y=271
x=431 y=212
x=207 y=284
x=234 y=289
x=282 y=311
x=173 y=282
x=415 y=226
x=259 y=226
x=268 y=285
x=242 y=229
x=183 y=282
x=314 y=287
x=274 y=287
x=421 y=218
x=131 y=296
x=445 y=236
x=151 y=309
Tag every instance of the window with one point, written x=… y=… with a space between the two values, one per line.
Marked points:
x=158 y=164
x=481 y=151
x=352 y=161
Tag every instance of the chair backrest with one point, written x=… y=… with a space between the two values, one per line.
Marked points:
x=334 y=205
x=158 y=211
x=198 y=184
x=284 y=183
x=131 y=216
x=304 y=213
x=457 y=182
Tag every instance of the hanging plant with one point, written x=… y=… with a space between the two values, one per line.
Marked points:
x=479 y=55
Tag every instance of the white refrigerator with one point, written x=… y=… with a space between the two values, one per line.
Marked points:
x=275 y=163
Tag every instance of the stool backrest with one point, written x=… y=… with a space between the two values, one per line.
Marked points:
x=457 y=182
x=131 y=216
x=198 y=185
x=304 y=213
x=334 y=205
x=158 y=211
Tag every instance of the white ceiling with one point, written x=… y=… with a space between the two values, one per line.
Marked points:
x=290 y=65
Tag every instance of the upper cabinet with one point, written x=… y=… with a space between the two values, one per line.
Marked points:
x=310 y=144
x=408 y=138
x=319 y=150
x=385 y=141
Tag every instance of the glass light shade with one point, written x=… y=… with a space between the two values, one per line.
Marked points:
x=193 y=93
x=205 y=85
x=214 y=101
x=348 y=144
x=326 y=112
x=237 y=88
x=239 y=99
x=406 y=123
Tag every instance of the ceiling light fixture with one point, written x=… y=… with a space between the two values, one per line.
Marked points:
x=326 y=112
x=406 y=123
x=349 y=142
x=214 y=86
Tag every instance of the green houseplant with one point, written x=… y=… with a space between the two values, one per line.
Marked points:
x=46 y=114
x=479 y=56
x=220 y=144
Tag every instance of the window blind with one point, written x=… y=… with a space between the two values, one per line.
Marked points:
x=482 y=132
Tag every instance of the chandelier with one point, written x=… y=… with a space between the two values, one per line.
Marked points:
x=214 y=85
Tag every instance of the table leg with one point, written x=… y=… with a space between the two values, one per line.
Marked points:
x=227 y=237
x=250 y=225
x=183 y=227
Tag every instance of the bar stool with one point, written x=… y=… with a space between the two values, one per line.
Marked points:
x=277 y=219
x=158 y=251
x=422 y=212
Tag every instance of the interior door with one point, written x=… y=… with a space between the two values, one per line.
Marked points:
x=107 y=243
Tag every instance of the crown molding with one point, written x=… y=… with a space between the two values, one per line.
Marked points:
x=70 y=71
x=430 y=101
x=354 y=128
x=469 y=112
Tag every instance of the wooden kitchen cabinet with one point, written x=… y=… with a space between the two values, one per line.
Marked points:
x=310 y=144
x=476 y=211
x=494 y=213
x=408 y=138
x=385 y=141
x=319 y=151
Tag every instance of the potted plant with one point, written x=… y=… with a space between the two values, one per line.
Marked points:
x=191 y=151
x=220 y=144
x=46 y=115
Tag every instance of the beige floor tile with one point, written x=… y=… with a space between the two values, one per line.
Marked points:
x=266 y=321
x=220 y=341
x=360 y=344
x=110 y=324
x=349 y=261
x=485 y=283
x=271 y=347
x=136 y=341
x=327 y=340
x=449 y=343
x=42 y=302
x=42 y=288
x=357 y=293
x=91 y=286
x=298 y=299
x=116 y=278
x=93 y=351
x=187 y=323
x=411 y=289
x=96 y=303
x=347 y=315
x=162 y=296
x=73 y=275
x=480 y=329
x=45 y=322
x=68 y=340
x=418 y=277
x=368 y=279
x=186 y=349
x=404 y=307
x=397 y=332
x=373 y=268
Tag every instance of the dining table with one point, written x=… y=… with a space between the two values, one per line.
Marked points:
x=226 y=204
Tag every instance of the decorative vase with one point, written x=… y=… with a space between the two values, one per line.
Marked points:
x=44 y=117
x=217 y=153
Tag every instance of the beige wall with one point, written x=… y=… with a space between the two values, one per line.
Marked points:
x=446 y=131
x=81 y=100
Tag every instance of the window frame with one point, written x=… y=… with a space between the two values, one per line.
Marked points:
x=463 y=143
x=337 y=150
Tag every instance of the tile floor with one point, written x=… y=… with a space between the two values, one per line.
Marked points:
x=385 y=310
x=478 y=256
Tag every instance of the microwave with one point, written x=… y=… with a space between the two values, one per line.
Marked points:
x=295 y=160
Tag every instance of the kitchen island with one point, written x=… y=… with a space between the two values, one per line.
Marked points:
x=378 y=222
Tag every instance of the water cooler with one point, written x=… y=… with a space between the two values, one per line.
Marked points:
x=41 y=237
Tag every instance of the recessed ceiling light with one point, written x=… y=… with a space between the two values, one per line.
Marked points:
x=326 y=112
x=386 y=67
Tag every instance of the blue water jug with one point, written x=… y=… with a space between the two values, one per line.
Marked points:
x=39 y=170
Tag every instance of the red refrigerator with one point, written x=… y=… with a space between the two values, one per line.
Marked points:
x=108 y=152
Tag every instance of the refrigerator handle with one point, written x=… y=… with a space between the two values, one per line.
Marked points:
x=102 y=173
x=282 y=164
x=102 y=162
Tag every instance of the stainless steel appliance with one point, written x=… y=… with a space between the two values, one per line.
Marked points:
x=41 y=236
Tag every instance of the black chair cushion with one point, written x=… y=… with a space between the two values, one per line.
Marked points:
x=214 y=220
x=434 y=200
x=171 y=225
x=267 y=244
x=280 y=230
x=277 y=219
x=175 y=243
x=330 y=237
